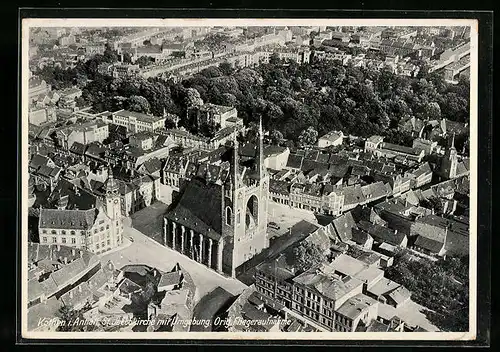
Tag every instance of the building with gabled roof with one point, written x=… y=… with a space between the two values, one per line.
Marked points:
x=96 y=229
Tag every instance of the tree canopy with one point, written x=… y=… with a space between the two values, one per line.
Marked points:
x=441 y=286
x=305 y=255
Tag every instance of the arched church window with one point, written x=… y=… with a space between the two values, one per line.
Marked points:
x=229 y=216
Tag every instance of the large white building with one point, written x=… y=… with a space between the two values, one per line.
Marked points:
x=97 y=230
x=135 y=121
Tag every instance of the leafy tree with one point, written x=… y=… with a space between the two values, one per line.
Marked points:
x=192 y=98
x=308 y=137
x=138 y=103
x=276 y=137
x=144 y=61
x=441 y=286
x=225 y=68
x=211 y=72
x=305 y=256
x=127 y=58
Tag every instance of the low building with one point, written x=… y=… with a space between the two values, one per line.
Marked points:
x=333 y=138
x=394 y=150
x=41 y=115
x=83 y=133
x=373 y=143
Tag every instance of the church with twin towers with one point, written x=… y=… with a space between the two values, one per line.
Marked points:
x=219 y=217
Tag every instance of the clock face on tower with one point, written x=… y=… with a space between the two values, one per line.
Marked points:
x=116 y=201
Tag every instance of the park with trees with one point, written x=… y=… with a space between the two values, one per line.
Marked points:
x=319 y=96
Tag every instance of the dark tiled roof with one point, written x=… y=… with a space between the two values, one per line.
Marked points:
x=152 y=165
x=199 y=207
x=280 y=187
x=382 y=233
x=360 y=237
x=78 y=148
x=429 y=244
x=400 y=149
x=67 y=219
x=343 y=226
x=78 y=198
x=294 y=161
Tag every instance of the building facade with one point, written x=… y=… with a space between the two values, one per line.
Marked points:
x=137 y=122
x=221 y=222
x=97 y=230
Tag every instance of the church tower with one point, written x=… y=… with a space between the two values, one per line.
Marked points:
x=448 y=169
x=113 y=208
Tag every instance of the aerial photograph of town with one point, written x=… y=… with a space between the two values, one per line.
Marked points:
x=270 y=179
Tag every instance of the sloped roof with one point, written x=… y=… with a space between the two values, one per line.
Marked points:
x=172 y=278
x=343 y=226
x=355 y=306
x=382 y=233
x=429 y=244
x=67 y=219
x=360 y=237
x=199 y=208
x=78 y=295
x=400 y=295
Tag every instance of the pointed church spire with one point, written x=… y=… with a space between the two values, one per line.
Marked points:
x=235 y=160
x=261 y=148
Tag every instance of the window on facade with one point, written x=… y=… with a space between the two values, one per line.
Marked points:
x=73 y=240
x=107 y=227
x=97 y=246
x=72 y=232
x=44 y=231
x=63 y=240
x=108 y=242
x=53 y=232
x=63 y=232
x=54 y=239
x=44 y=239
x=95 y=230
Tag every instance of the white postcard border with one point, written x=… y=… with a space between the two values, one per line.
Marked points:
x=171 y=22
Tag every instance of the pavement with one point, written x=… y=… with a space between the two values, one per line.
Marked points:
x=144 y=250
x=286 y=216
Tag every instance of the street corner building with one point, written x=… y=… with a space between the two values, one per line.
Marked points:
x=220 y=220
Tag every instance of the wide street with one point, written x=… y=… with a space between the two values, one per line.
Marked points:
x=144 y=250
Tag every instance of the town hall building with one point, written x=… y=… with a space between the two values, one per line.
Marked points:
x=97 y=230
